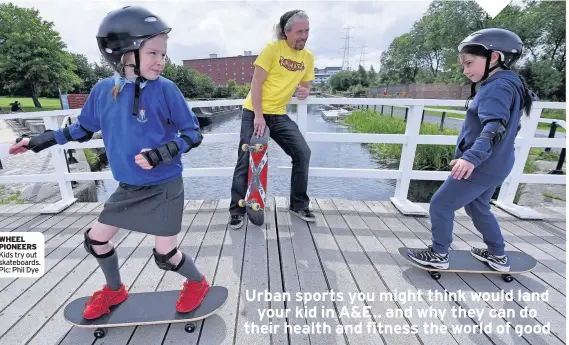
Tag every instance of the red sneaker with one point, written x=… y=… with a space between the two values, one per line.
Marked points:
x=101 y=300
x=192 y=295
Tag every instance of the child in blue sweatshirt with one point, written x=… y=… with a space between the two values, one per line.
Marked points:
x=484 y=154
x=146 y=126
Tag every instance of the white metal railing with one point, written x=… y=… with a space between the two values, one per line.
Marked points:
x=410 y=139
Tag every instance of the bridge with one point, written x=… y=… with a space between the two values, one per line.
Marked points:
x=351 y=250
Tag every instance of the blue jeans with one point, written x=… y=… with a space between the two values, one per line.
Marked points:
x=286 y=134
x=475 y=198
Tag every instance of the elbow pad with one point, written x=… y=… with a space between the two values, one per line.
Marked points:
x=88 y=135
x=497 y=134
x=190 y=142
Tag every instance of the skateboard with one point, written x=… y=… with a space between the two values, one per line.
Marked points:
x=146 y=308
x=257 y=178
x=462 y=261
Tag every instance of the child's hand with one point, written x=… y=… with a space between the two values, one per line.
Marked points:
x=461 y=168
x=141 y=161
x=20 y=147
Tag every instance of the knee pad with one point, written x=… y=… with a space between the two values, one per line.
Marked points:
x=163 y=260
x=88 y=245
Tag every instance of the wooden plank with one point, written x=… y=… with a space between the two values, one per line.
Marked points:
x=276 y=276
x=535 y=240
x=540 y=255
x=56 y=267
x=228 y=274
x=546 y=314
x=339 y=273
x=148 y=279
x=190 y=244
x=543 y=234
x=290 y=276
x=536 y=281
x=326 y=206
x=52 y=241
x=311 y=277
x=549 y=227
x=368 y=268
x=204 y=245
x=253 y=279
x=451 y=282
x=31 y=320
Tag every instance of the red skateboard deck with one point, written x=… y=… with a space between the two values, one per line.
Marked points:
x=257 y=178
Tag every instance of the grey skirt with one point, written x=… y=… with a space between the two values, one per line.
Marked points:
x=155 y=210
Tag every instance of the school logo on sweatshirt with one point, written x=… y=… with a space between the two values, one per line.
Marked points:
x=291 y=65
x=141 y=116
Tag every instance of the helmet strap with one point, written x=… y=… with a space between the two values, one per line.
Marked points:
x=137 y=82
x=487 y=71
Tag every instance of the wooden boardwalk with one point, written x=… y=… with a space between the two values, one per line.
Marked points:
x=353 y=247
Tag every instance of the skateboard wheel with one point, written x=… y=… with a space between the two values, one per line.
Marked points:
x=241 y=203
x=435 y=275
x=190 y=327
x=244 y=147
x=507 y=278
x=259 y=147
x=99 y=333
x=255 y=207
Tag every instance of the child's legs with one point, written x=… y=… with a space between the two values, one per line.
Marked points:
x=105 y=253
x=168 y=257
x=485 y=222
x=451 y=196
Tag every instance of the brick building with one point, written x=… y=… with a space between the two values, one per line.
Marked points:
x=222 y=69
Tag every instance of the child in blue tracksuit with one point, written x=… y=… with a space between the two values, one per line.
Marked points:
x=146 y=126
x=484 y=154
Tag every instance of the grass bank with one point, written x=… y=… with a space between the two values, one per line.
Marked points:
x=28 y=104
x=427 y=157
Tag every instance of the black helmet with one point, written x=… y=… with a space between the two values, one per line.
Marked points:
x=495 y=39
x=484 y=42
x=124 y=30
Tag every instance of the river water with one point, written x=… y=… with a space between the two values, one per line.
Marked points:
x=326 y=155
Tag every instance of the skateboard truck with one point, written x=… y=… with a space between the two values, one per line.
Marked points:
x=506 y=277
x=257 y=148
x=99 y=333
x=252 y=203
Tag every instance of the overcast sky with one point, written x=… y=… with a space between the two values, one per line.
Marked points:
x=229 y=28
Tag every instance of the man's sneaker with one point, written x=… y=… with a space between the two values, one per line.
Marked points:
x=236 y=221
x=428 y=257
x=499 y=263
x=304 y=215
x=99 y=304
x=192 y=295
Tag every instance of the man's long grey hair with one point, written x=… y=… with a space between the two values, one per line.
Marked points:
x=278 y=32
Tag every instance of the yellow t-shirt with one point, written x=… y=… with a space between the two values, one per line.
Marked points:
x=286 y=68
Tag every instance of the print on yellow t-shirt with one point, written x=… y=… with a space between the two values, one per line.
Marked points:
x=286 y=68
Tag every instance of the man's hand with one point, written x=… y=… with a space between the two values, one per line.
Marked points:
x=259 y=126
x=461 y=168
x=302 y=92
x=141 y=161
x=19 y=147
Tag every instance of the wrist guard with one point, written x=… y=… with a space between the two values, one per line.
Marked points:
x=39 y=142
x=163 y=153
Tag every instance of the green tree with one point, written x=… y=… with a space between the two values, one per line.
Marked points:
x=32 y=54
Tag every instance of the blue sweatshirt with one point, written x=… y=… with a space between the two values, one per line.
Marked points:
x=500 y=97
x=163 y=116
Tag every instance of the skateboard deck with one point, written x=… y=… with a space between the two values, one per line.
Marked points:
x=461 y=261
x=146 y=308
x=256 y=178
